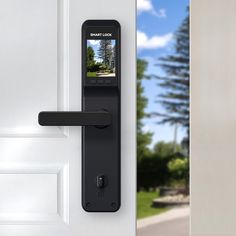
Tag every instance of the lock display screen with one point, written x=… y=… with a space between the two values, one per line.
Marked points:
x=101 y=58
x=101 y=53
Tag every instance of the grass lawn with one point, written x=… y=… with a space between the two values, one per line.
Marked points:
x=144 y=201
x=91 y=74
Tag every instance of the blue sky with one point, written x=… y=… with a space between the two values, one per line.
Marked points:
x=95 y=45
x=157 y=22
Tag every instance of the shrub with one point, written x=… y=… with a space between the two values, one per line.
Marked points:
x=178 y=168
x=153 y=172
x=93 y=67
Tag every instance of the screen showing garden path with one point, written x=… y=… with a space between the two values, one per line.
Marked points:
x=101 y=56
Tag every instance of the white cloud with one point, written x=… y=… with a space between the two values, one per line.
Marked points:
x=146 y=6
x=94 y=42
x=144 y=42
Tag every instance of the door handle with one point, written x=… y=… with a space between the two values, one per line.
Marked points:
x=74 y=118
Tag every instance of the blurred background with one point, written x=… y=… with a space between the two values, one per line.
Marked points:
x=163 y=117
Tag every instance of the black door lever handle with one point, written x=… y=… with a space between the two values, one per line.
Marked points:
x=74 y=118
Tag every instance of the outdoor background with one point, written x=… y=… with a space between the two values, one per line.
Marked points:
x=162 y=105
x=101 y=58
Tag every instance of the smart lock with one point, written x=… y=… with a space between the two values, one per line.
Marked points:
x=100 y=116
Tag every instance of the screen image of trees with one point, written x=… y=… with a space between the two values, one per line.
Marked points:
x=101 y=58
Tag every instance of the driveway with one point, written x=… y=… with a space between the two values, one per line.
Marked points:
x=174 y=222
x=176 y=227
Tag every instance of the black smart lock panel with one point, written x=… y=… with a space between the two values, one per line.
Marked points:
x=100 y=116
x=101 y=92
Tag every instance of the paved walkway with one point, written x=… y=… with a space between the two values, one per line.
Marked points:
x=172 y=223
x=177 y=227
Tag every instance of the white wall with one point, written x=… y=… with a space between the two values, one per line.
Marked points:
x=213 y=118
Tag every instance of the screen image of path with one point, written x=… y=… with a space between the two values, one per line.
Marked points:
x=101 y=56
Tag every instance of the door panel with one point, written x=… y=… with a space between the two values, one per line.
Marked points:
x=40 y=167
x=33 y=194
x=34 y=64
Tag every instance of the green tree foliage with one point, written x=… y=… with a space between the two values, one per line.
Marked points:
x=175 y=99
x=105 y=51
x=179 y=171
x=90 y=56
x=154 y=171
x=143 y=139
x=91 y=63
x=178 y=168
x=164 y=149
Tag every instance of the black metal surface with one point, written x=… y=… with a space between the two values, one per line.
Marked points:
x=74 y=118
x=101 y=147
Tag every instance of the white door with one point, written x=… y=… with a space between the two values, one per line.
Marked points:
x=40 y=70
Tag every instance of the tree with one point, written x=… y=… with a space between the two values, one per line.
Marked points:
x=164 y=149
x=90 y=56
x=175 y=99
x=143 y=138
x=105 y=51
